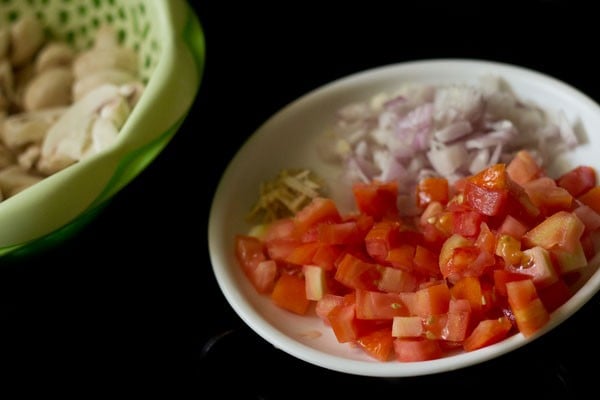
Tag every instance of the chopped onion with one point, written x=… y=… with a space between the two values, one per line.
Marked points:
x=450 y=131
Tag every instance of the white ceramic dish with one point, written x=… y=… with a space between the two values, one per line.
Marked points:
x=288 y=140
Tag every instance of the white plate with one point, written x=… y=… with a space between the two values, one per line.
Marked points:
x=288 y=140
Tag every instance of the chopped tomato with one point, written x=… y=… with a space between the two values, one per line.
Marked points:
x=432 y=189
x=319 y=210
x=378 y=344
x=591 y=198
x=578 y=180
x=497 y=257
x=377 y=199
x=290 y=293
x=382 y=237
x=523 y=168
x=432 y=300
x=377 y=305
x=410 y=350
x=487 y=332
x=528 y=309
x=357 y=274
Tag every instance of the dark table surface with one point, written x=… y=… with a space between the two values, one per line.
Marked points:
x=131 y=306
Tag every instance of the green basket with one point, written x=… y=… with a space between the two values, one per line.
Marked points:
x=169 y=41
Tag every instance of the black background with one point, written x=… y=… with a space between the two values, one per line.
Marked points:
x=131 y=306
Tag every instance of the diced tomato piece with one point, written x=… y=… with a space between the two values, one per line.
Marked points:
x=493 y=177
x=512 y=227
x=467 y=223
x=411 y=326
x=555 y=295
x=426 y=262
x=401 y=257
x=378 y=344
x=290 y=293
x=264 y=275
x=578 y=180
x=357 y=274
x=327 y=303
x=468 y=288
x=520 y=293
x=382 y=237
x=457 y=326
x=410 y=350
x=327 y=256
x=532 y=317
x=589 y=217
x=377 y=305
x=523 y=168
x=302 y=254
x=394 y=280
x=377 y=199
x=281 y=229
x=467 y=261
x=502 y=277
x=341 y=233
x=561 y=230
x=319 y=210
x=485 y=200
x=249 y=251
x=280 y=249
x=487 y=332
x=591 y=198
x=547 y=196
x=342 y=320
x=434 y=326
x=486 y=240
x=537 y=264
x=432 y=189
x=432 y=300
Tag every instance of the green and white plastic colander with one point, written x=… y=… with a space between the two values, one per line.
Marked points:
x=169 y=40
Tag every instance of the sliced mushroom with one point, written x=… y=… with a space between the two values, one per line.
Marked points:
x=54 y=54
x=28 y=158
x=97 y=59
x=51 y=88
x=71 y=139
x=27 y=36
x=22 y=129
x=7 y=80
x=7 y=158
x=4 y=42
x=98 y=78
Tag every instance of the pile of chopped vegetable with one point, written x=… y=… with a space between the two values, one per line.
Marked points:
x=451 y=131
x=487 y=256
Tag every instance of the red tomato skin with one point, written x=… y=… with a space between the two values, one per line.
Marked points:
x=432 y=300
x=488 y=202
x=377 y=199
x=578 y=180
x=432 y=189
x=467 y=223
x=378 y=344
x=249 y=251
x=523 y=168
x=591 y=198
x=381 y=238
x=487 y=332
x=290 y=293
x=357 y=274
x=319 y=210
x=411 y=350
